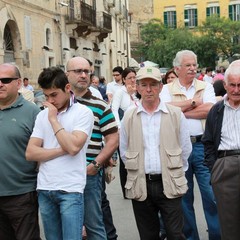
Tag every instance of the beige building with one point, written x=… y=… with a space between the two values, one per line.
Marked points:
x=38 y=34
x=191 y=13
x=141 y=12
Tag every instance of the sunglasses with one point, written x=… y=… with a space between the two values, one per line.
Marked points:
x=7 y=80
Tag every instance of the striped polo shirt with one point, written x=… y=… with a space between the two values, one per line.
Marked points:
x=104 y=123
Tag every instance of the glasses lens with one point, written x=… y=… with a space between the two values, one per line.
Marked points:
x=7 y=80
x=80 y=71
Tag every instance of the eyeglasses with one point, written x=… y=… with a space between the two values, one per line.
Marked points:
x=116 y=75
x=7 y=80
x=80 y=71
x=195 y=65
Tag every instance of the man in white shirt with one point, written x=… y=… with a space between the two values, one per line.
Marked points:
x=116 y=84
x=59 y=143
x=195 y=98
x=155 y=157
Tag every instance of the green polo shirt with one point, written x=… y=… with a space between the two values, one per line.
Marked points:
x=17 y=175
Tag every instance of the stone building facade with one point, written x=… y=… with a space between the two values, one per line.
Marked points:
x=38 y=34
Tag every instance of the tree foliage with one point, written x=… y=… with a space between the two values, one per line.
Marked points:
x=216 y=37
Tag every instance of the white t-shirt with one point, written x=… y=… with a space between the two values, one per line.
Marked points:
x=67 y=173
x=112 y=87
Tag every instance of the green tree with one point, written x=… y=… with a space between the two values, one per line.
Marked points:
x=216 y=37
x=222 y=35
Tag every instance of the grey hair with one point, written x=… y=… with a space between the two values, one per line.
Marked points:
x=233 y=69
x=178 y=58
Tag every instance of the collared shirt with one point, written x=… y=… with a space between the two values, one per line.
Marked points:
x=230 y=133
x=195 y=125
x=18 y=176
x=151 y=139
x=112 y=87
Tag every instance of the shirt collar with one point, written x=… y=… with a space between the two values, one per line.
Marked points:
x=161 y=107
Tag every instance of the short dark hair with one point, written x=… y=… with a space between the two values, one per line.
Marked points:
x=208 y=69
x=25 y=79
x=53 y=77
x=118 y=69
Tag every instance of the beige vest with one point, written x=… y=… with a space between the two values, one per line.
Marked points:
x=178 y=95
x=174 y=181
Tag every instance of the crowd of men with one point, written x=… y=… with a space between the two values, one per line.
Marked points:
x=53 y=161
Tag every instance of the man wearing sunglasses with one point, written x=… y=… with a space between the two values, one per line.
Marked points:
x=18 y=198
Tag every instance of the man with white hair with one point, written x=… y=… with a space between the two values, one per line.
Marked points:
x=222 y=153
x=195 y=99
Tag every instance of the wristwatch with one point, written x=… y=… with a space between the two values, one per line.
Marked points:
x=97 y=166
x=193 y=104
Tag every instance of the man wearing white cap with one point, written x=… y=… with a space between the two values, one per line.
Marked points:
x=155 y=157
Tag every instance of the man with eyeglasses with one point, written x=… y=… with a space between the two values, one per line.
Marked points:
x=195 y=98
x=18 y=196
x=116 y=84
x=98 y=156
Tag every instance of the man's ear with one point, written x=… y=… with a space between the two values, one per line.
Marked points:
x=68 y=87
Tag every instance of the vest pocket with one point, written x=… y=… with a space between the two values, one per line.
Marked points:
x=178 y=181
x=175 y=159
x=132 y=186
x=131 y=162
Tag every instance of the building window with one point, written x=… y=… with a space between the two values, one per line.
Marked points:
x=48 y=37
x=215 y=10
x=234 y=12
x=170 y=19
x=190 y=18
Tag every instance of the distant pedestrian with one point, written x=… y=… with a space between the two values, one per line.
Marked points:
x=155 y=145
x=59 y=142
x=117 y=82
x=18 y=196
x=27 y=85
x=103 y=88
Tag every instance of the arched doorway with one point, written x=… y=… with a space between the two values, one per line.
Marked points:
x=8 y=45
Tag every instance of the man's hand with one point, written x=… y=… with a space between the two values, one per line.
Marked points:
x=52 y=111
x=91 y=170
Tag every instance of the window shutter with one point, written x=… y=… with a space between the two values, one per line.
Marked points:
x=165 y=19
x=186 y=17
x=218 y=11
x=207 y=11
x=175 y=19
x=196 y=18
x=230 y=9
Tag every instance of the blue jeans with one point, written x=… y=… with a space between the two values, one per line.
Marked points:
x=62 y=214
x=208 y=200
x=93 y=217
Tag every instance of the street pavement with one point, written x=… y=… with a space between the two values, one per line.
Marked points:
x=123 y=214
